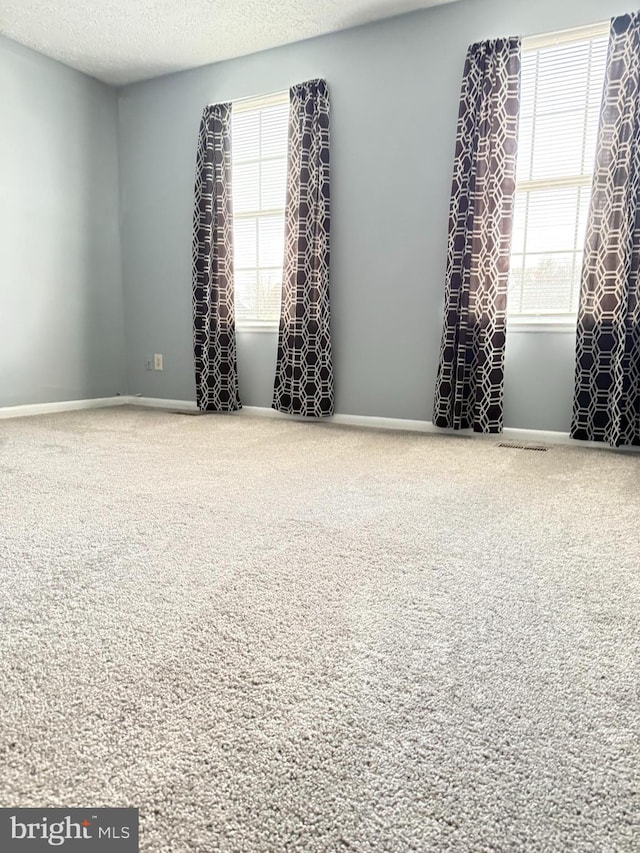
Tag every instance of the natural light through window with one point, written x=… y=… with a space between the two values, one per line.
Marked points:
x=259 y=178
x=561 y=90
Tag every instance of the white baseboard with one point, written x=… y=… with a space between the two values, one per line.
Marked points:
x=159 y=403
x=400 y=424
x=408 y=425
x=533 y=436
x=30 y=409
x=346 y=420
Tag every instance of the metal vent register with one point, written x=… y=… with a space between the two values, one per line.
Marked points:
x=537 y=447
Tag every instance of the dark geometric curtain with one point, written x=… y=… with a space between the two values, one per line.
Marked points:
x=214 y=332
x=607 y=390
x=304 y=371
x=469 y=387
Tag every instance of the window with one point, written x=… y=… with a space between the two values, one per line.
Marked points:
x=561 y=90
x=259 y=178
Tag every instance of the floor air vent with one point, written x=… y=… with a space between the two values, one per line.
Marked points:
x=512 y=446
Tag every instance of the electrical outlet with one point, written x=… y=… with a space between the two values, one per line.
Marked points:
x=148 y=362
x=158 y=361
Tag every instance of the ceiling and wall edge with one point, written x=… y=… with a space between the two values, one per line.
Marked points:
x=119 y=42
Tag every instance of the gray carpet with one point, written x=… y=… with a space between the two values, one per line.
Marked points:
x=274 y=636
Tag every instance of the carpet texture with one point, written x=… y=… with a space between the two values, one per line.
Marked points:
x=271 y=635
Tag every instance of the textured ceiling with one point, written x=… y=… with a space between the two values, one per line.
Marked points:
x=121 y=41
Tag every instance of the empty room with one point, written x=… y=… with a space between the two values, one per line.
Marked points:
x=319 y=426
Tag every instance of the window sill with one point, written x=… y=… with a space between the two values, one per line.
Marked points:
x=269 y=328
x=542 y=324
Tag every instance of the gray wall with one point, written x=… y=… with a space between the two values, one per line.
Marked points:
x=394 y=88
x=61 y=306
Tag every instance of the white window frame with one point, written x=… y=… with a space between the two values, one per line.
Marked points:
x=245 y=105
x=551 y=322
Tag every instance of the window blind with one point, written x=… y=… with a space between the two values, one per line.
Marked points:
x=561 y=89
x=259 y=179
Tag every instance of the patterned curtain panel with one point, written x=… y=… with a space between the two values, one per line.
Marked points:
x=607 y=392
x=469 y=387
x=214 y=332
x=304 y=370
